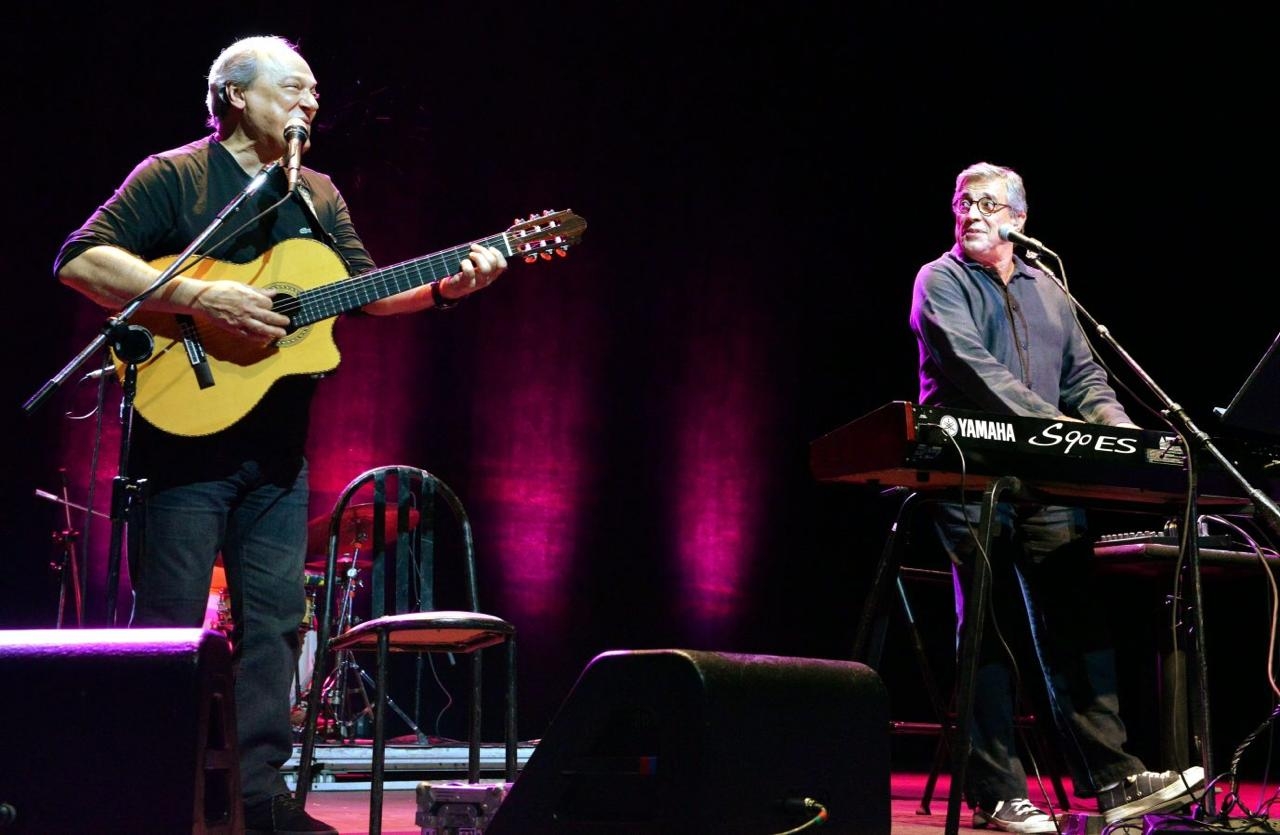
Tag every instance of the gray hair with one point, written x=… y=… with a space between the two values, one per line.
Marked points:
x=239 y=65
x=984 y=171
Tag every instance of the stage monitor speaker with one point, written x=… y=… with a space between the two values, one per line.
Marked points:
x=663 y=742
x=118 y=731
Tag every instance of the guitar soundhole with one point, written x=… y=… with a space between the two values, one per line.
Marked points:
x=287 y=303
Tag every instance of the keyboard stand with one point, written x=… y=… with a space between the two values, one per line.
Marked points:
x=868 y=648
x=870 y=635
x=975 y=607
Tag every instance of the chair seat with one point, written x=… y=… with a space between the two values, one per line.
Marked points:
x=440 y=631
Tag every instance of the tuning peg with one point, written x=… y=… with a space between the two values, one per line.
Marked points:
x=546 y=256
x=530 y=258
x=562 y=251
x=518 y=220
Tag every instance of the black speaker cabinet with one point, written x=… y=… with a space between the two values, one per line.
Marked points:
x=117 y=731
x=676 y=741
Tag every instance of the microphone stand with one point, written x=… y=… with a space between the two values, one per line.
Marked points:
x=132 y=345
x=1197 y=440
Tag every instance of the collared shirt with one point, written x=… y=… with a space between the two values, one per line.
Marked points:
x=1014 y=349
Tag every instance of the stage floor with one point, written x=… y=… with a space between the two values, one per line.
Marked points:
x=349 y=810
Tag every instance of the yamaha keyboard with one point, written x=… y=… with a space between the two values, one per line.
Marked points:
x=928 y=447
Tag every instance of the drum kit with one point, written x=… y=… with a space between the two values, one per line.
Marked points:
x=342 y=715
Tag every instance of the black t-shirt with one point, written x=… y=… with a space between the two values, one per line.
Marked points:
x=161 y=207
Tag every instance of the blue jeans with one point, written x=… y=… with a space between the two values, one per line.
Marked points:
x=257 y=520
x=1052 y=562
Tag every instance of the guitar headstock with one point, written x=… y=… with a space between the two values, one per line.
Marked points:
x=541 y=235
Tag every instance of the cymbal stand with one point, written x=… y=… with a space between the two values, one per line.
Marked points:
x=334 y=694
x=346 y=671
x=66 y=540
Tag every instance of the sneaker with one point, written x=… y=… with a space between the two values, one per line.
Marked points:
x=1149 y=793
x=282 y=815
x=1017 y=815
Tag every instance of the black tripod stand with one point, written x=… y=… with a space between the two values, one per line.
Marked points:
x=343 y=719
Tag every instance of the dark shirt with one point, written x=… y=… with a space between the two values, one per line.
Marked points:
x=1014 y=349
x=168 y=200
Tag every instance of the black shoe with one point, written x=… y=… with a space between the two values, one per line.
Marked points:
x=282 y=815
x=1148 y=793
x=1019 y=816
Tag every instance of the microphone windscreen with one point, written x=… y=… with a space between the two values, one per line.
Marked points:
x=296 y=128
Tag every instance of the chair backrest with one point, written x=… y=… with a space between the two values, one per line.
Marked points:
x=391 y=519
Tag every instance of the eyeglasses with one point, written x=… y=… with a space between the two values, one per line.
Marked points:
x=986 y=205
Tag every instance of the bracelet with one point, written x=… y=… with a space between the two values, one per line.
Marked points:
x=438 y=299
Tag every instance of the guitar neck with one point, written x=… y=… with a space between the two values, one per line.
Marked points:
x=349 y=294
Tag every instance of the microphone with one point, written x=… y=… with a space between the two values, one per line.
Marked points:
x=295 y=136
x=1008 y=233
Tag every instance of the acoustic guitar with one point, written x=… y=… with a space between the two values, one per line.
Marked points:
x=313 y=290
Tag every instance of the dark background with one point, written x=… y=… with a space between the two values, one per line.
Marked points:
x=761 y=182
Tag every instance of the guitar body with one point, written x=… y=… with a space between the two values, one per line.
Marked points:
x=168 y=395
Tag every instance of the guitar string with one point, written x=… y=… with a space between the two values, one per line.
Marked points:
x=322 y=294
x=354 y=284
x=438 y=264
x=322 y=297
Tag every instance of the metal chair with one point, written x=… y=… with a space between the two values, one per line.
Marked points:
x=396 y=535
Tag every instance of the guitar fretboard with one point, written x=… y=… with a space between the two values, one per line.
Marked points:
x=343 y=296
